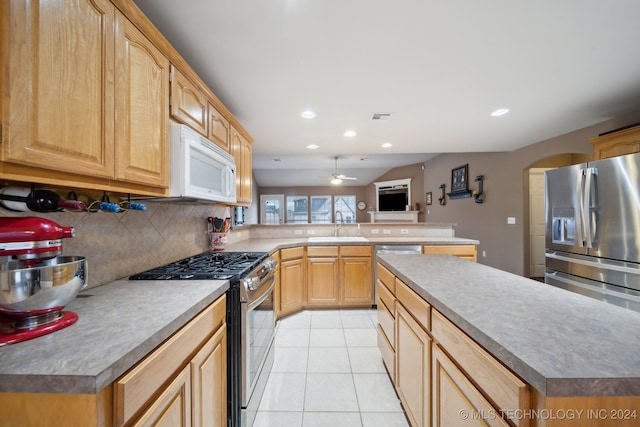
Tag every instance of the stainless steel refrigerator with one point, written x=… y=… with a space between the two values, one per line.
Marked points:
x=592 y=234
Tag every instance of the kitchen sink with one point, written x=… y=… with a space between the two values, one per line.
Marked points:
x=338 y=239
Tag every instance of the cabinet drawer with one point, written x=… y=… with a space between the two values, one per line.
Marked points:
x=419 y=308
x=291 y=253
x=499 y=385
x=387 y=277
x=386 y=321
x=134 y=390
x=463 y=251
x=386 y=296
x=388 y=354
x=355 y=250
x=322 y=251
x=276 y=256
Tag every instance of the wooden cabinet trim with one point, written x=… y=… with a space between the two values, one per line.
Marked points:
x=499 y=385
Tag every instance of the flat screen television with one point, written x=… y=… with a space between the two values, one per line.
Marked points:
x=393 y=200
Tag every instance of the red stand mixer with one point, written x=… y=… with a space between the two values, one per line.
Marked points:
x=36 y=282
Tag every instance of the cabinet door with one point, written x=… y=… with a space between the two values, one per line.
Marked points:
x=142 y=107
x=173 y=407
x=219 y=129
x=413 y=368
x=322 y=275
x=356 y=280
x=241 y=150
x=456 y=401
x=292 y=286
x=188 y=103
x=209 y=382
x=59 y=86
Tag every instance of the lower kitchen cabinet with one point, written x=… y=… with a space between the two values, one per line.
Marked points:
x=196 y=395
x=293 y=282
x=413 y=368
x=322 y=275
x=455 y=397
x=468 y=252
x=356 y=276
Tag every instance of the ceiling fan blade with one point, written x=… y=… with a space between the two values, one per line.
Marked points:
x=349 y=177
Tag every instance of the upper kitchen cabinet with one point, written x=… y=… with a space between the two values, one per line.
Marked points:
x=58 y=62
x=188 y=102
x=619 y=143
x=142 y=102
x=219 y=128
x=241 y=150
x=86 y=98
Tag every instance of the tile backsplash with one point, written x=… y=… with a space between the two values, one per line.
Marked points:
x=120 y=244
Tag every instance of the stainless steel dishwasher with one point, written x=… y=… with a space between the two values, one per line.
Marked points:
x=390 y=249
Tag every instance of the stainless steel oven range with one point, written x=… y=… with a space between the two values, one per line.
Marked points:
x=250 y=314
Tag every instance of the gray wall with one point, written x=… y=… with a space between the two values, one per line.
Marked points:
x=506 y=192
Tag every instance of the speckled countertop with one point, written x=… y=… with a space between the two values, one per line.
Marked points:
x=562 y=343
x=269 y=245
x=118 y=325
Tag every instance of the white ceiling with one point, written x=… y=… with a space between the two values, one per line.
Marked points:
x=440 y=67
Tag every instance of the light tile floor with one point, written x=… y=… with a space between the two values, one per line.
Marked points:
x=328 y=371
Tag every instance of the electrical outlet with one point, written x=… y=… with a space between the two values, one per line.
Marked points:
x=297 y=232
x=404 y=231
x=484 y=254
x=311 y=231
x=511 y=220
x=386 y=231
x=375 y=231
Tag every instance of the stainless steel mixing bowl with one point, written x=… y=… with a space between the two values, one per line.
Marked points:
x=43 y=286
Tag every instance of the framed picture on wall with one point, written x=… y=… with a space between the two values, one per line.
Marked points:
x=428 y=198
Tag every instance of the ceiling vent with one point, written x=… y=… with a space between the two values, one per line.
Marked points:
x=382 y=117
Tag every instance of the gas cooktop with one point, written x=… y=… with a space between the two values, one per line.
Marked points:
x=205 y=266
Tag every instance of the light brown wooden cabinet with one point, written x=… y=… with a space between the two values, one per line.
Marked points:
x=142 y=89
x=219 y=128
x=293 y=283
x=195 y=396
x=468 y=252
x=619 y=143
x=356 y=276
x=339 y=276
x=188 y=103
x=386 y=313
x=66 y=117
x=241 y=149
x=322 y=275
x=413 y=355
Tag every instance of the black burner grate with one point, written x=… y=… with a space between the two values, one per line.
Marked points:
x=207 y=265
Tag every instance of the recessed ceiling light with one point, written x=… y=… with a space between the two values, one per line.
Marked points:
x=387 y=145
x=500 y=112
x=308 y=114
x=313 y=146
x=350 y=134
x=276 y=160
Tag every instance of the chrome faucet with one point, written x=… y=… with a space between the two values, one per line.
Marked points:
x=335 y=231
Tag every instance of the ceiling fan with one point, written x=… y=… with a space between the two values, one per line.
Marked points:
x=337 y=178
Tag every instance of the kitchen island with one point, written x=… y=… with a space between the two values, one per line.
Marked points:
x=572 y=360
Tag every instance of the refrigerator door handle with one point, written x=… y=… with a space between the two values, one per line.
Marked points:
x=594 y=207
x=588 y=223
x=583 y=204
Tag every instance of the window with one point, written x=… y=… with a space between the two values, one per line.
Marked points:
x=347 y=207
x=321 y=212
x=297 y=209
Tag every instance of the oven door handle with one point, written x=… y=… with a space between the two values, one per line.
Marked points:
x=264 y=295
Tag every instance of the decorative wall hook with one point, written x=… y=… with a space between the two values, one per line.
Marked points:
x=442 y=198
x=477 y=195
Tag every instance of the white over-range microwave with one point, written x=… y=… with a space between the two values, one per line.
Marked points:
x=200 y=170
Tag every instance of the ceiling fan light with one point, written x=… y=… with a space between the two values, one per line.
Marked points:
x=336 y=181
